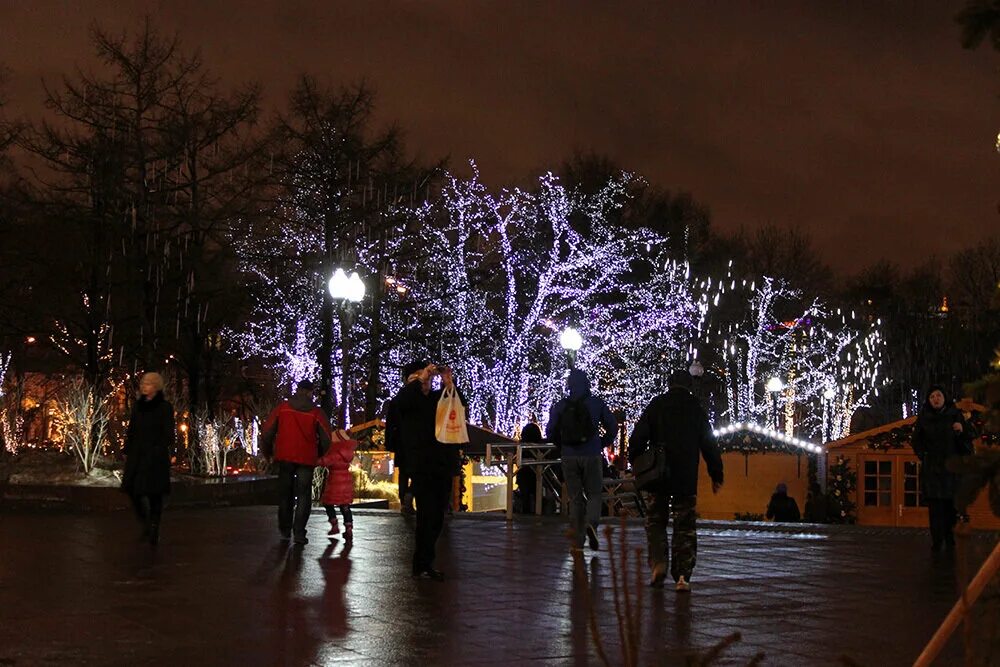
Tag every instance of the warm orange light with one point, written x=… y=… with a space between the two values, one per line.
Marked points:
x=29 y=340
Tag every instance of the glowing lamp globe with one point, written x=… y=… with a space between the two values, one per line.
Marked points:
x=355 y=288
x=570 y=340
x=339 y=285
x=774 y=385
x=829 y=393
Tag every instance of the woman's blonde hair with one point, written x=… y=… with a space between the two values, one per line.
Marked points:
x=155 y=378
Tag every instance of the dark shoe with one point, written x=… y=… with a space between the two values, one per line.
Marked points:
x=659 y=575
x=429 y=574
x=154 y=534
x=300 y=540
x=592 y=538
x=348 y=532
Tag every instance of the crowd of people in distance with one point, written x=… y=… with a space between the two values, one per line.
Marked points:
x=298 y=436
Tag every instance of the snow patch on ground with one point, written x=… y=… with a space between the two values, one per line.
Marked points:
x=55 y=468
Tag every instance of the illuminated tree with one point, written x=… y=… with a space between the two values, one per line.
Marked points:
x=509 y=271
x=828 y=363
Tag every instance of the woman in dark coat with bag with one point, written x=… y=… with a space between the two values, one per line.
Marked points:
x=148 y=443
x=939 y=434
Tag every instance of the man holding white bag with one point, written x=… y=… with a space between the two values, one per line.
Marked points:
x=432 y=462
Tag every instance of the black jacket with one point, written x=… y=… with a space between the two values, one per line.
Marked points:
x=935 y=441
x=393 y=434
x=416 y=414
x=783 y=508
x=148 y=442
x=677 y=421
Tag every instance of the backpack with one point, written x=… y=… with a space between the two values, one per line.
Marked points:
x=576 y=426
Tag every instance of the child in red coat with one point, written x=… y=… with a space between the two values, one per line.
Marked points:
x=339 y=490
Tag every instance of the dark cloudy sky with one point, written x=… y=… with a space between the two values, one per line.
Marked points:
x=864 y=122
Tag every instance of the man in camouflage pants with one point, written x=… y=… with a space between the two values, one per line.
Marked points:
x=677 y=422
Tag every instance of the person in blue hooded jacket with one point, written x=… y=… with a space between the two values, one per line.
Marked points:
x=574 y=426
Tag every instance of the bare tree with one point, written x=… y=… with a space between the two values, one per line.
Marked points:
x=785 y=253
x=85 y=422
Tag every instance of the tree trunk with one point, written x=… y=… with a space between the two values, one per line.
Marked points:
x=374 y=387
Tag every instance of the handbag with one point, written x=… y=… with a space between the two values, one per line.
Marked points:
x=650 y=469
x=449 y=422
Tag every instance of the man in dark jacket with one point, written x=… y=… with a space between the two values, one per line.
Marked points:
x=432 y=464
x=295 y=434
x=394 y=443
x=573 y=426
x=677 y=422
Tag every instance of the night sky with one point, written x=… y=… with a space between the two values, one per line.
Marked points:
x=865 y=123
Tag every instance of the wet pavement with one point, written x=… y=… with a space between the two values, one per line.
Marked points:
x=78 y=589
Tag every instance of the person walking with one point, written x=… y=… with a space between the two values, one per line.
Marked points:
x=295 y=434
x=432 y=463
x=148 y=441
x=940 y=433
x=782 y=507
x=676 y=422
x=339 y=489
x=574 y=426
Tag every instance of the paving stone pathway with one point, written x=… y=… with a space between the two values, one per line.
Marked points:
x=77 y=589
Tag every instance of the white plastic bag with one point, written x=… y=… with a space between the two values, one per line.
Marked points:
x=450 y=420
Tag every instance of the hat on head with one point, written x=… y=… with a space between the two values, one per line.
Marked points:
x=679 y=378
x=936 y=387
x=413 y=367
x=305 y=385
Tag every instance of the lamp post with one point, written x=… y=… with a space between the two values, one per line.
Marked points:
x=571 y=341
x=774 y=387
x=828 y=395
x=348 y=291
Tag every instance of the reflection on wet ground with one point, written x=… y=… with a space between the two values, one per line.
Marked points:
x=221 y=589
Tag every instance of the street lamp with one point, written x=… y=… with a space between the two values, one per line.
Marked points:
x=774 y=387
x=696 y=369
x=828 y=395
x=571 y=341
x=349 y=292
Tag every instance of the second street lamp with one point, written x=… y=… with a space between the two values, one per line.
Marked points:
x=571 y=341
x=774 y=387
x=348 y=291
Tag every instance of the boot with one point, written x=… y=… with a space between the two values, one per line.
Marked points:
x=659 y=575
x=334 y=528
x=406 y=505
x=348 y=532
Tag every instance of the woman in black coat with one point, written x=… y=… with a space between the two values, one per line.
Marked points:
x=148 y=443
x=940 y=433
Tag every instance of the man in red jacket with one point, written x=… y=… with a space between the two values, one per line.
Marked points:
x=295 y=434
